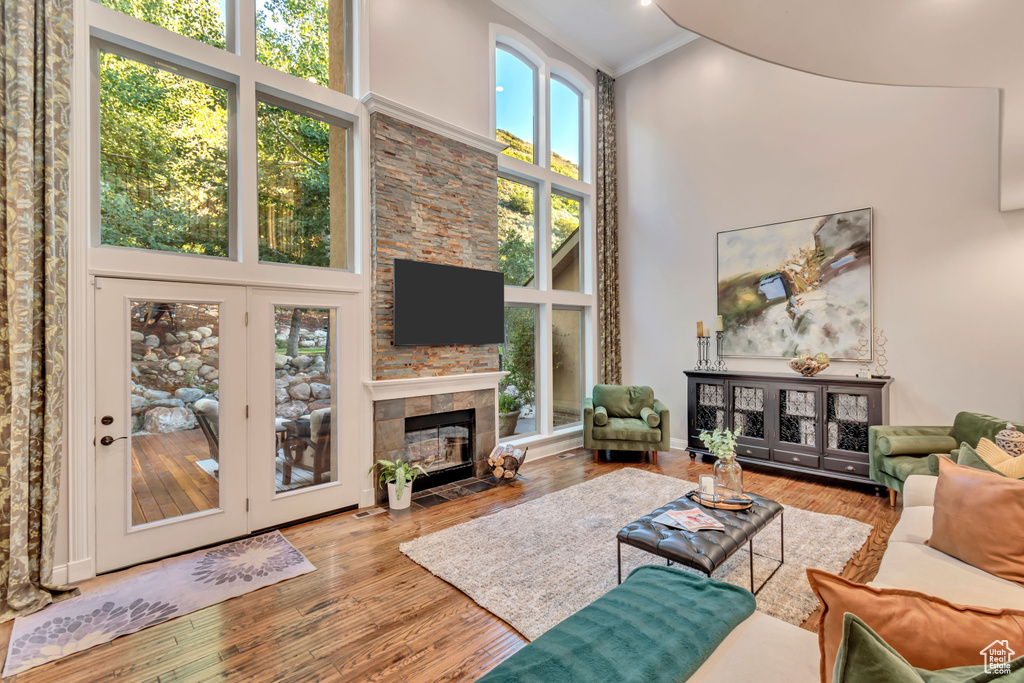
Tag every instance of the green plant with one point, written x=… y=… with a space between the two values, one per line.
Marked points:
x=721 y=443
x=398 y=471
x=507 y=403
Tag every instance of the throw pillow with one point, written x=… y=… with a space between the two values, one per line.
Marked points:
x=979 y=519
x=600 y=416
x=1001 y=461
x=864 y=657
x=650 y=417
x=929 y=632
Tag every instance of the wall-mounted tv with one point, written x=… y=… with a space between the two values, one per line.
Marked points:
x=438 y=305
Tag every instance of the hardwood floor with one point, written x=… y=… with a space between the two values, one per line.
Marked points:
x=370 y=614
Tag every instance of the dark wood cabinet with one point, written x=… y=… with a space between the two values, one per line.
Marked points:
x=807 y=424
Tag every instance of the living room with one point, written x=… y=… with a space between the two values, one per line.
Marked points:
x=354 y=340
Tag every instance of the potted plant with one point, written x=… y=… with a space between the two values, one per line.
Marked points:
x=728 y=473
x=399 y=476
x=509 y=406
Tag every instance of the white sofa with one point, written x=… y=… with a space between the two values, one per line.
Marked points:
x=763 y=648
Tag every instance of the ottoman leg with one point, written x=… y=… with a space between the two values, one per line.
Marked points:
x=892 y=498
x=597 y=456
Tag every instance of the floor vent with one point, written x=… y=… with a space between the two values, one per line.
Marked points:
x=368 y=513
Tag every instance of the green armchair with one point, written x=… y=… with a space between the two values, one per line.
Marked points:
x=895 y=453
x=625 y=419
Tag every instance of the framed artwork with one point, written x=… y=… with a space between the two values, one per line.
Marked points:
x=797 y=287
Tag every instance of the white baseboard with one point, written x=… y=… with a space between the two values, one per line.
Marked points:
x=681 y=444
x=80 y=570
x=60 y=574
x=546 y=446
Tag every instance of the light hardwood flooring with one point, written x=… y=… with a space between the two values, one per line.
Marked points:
x=370 y=614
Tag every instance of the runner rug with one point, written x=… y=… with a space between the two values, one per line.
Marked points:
x=538 y=562
x=151 y=595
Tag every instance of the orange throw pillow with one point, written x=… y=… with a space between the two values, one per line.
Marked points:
x=979 y=519
x=929 y=632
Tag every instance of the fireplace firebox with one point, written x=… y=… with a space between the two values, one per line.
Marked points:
x=442 y=444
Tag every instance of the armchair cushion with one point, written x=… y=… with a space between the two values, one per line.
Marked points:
x=627 y=429
x=650 y=417
x=600 y=416
x=906 y=444
x=623 y=401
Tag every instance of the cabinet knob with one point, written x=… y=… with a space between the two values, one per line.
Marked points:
x=749 y=452
x=796 y=459
x=850 y=468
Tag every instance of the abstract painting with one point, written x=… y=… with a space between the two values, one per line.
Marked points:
x=797 y=287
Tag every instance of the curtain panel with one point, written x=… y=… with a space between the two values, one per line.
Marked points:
x=36 y=37
x=608 y=233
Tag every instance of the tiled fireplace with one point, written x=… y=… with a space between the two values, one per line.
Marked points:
x=450 y=434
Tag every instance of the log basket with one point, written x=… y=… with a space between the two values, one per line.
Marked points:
x=505 y=461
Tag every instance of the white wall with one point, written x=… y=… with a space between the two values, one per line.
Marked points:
x=713 y=140
x=434 y=56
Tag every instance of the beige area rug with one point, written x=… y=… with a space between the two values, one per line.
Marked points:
x=538 y=562
x=151 y=595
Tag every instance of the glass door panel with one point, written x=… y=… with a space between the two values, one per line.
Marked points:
x=799 y=420
x=848 y=420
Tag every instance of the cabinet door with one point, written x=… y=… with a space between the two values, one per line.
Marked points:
x=749 y=407
x=848 y=414
x=797 y=413
x=706 y=408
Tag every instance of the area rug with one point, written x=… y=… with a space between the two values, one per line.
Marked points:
x=152 y=595
x=538 y=562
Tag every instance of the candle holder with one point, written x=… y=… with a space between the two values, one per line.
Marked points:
x=703 y=350
x=719 y=364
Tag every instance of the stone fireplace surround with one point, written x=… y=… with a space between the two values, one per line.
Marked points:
x=389 y=424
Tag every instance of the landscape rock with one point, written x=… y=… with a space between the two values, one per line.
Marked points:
x=281 y=360
x=319 y=390
x=195 y=336
x=292 y=410
x=204 y=331
x=205 y=370
x=212 y=375
x=138 y=336
x=300 y=392
x=192 y=364
x=182 y=337
x=281 y=395
x=167 y=420
x=174 y=366
x=209 y=343
x=170 y=339
x=151 y=341
x=138 y=404
x=189 y=394
x=301 y=362
x=307 y=344
x=317 y=405
x=155 y=395
x=167 y=403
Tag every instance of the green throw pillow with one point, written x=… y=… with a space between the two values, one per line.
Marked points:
x=865 y=658
x=651 y=417
x=600 y=416
x=970 y=458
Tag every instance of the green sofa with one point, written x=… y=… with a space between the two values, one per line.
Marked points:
x=896 y=453
x=625 y=418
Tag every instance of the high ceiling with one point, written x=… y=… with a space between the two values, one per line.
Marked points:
x=612 y=35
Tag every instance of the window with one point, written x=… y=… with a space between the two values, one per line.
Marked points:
x=519 y=360
x=545 y=233
x=517 y=232
x=567 y=365
x=163 y=159
x=566 y=128
x=515 y=101
x=566 y=273
x=202 y=20
x=293 y=37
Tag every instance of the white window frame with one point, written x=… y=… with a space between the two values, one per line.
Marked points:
x=539 y=174
x=96 y=25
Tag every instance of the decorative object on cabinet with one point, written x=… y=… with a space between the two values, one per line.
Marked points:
x=703 y=349
x=809 y=279
x=864 y=357
x=880 y=359
x=808 y=365
x=810 y=424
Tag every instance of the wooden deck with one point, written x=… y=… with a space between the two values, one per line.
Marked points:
x=166 y=481
x=369 y=613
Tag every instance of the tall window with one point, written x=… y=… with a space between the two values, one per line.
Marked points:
x=176 y=142
x=544 y=230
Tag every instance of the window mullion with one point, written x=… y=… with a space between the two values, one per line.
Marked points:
x=245 y=28
x=247 y=171
x=543 y=214
x=545 y=385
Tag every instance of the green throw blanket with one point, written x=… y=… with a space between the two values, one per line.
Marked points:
x=657 y=627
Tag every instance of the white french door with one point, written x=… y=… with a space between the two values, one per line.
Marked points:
x=212 y=419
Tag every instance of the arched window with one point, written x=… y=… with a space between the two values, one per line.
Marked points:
x=566 y=124
x=515 y=99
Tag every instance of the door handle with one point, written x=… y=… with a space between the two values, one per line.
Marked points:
x=107 y=440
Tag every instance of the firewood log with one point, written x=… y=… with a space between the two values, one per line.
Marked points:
x=499 y=472
x=509 y=474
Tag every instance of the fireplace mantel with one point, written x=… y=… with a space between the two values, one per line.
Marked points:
x=386 y=389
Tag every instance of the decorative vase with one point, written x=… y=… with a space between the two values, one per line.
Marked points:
x=728 y=477
x=396 y=503
x=507 y=423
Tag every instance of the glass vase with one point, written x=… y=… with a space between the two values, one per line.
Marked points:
x=728 y=478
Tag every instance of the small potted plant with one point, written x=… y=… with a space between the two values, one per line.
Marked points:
x=509 y=405
x=728 y=473
x=399 y=476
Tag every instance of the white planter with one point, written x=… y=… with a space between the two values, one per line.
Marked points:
x=394 y=502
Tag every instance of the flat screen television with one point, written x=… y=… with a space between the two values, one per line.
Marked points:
x=438 y=305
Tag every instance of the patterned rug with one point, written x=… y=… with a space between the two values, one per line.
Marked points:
x=538 y=562
x=152 y=595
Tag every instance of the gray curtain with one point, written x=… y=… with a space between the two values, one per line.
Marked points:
x=36 y=41
x=608 y=232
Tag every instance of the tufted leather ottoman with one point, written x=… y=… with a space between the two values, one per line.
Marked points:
x=704 y=550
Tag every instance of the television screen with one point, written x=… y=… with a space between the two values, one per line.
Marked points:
x=440 y=305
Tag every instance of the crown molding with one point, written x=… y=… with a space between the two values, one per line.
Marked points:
x=551 y=32
x=378 y=104
x=655 y=52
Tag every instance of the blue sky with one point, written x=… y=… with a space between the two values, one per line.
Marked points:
x=514 y=106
